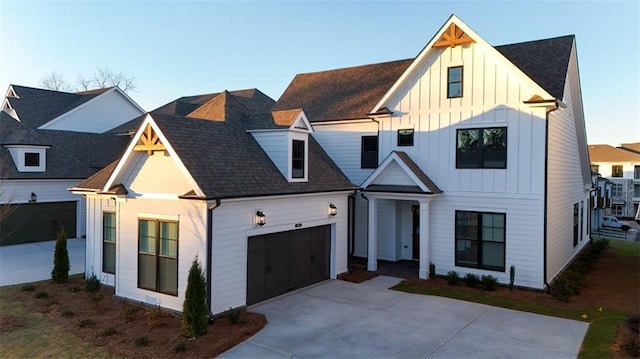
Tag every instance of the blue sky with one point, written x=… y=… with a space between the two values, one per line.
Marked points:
x=184 y=48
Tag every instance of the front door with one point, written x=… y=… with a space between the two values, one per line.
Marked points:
x=415 y=232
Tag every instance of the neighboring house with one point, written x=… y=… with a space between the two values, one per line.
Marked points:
x=49 y=141
x=471 y=157
x=222 y=178
x=600 y=201
x=621 y=166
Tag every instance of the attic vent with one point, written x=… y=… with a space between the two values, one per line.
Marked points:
x=149 y=141
x=11 y=92
x=453 y=37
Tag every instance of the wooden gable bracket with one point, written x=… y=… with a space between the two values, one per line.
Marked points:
x=149 y=141
x=453 y=37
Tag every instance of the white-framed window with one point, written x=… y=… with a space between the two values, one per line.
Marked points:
x=158 y=255
x=109 y=242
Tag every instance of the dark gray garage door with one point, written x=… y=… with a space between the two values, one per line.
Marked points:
x=34 y=222
x=280 y=262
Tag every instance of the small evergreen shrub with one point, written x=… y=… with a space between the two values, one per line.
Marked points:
x=86 y=323
x=109 y=331
x=195 y=315
x=74 y=289
x=68 y=314
x=432 y=270
x=453 y=277
x=41 y=295
x=141 y=341
x=60 y=272
x=180 y=348
x=233 y=315
x=92 y=284
x=563 y=288
x=512 y=276
x=28 y=288
x=488 y=282
x=471 y=280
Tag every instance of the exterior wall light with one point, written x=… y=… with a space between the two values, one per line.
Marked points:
x=333 y=210
x=34 y=198
x=261 y=219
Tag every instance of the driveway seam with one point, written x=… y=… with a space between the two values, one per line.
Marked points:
x=456 y=334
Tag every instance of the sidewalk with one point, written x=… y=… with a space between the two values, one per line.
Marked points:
x=31 y=262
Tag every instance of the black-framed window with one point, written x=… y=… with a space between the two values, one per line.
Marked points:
x=616 y=171
x=31 y=159
x=369 y=152
x=109 y=242
x=454 y=82
x=576 y=228
x=405 y=137
x=480 y=240
x=481 y=148
x=581 y=220
x=158 y=255
x=297 y=159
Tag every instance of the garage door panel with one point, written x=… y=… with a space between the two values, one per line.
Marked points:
x=256 y=264
x=277 y=266
x=320 y=247
x=34 y=222
x=300 y=265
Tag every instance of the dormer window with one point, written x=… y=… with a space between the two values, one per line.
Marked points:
x=454 y=82
x=31 y=159
x=28 y=158
x=297 y=159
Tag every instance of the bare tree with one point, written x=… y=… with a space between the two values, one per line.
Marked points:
x=102 y=78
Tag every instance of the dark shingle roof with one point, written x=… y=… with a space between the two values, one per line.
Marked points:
x=223 y=158
x=544 y=61
x=350 y=93
x=418 y=172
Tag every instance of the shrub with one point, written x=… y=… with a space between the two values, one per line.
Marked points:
x=453 y=277
x=155 y=316
x=40 y=295
x=180 y=348
x=471 y=280
x=96 y=299
x=194 y=309
x=92 y=284
x=129 y=311
x=60 y=272
x=233 y=315
x=141 y=341
x=28 y=288
x=109 y=331
x=512 y=276
x=563 y=288
x=68 y=314
x=432 y=270
x=86 y=323
x=489 y=282
x=74 y=289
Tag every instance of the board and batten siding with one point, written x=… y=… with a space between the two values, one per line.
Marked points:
x=276 y=145
x=342 y=142
x=233 y=222
x=96 y=206
x=566 y=186
x=19 y=192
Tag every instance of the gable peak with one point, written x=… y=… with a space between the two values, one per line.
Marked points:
x=149 y=141
x=453 y=37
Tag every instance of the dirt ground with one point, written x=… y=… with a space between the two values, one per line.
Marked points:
x=122 y=326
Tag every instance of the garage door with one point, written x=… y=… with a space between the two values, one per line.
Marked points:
x=284 y=261
x=34 y=222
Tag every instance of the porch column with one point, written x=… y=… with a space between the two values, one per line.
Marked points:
x=372 y=237
x=423 y=271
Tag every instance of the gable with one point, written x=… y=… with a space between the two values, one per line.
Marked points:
x=393 y=174
x=100 y=114
x=155 y=173
x=399 y=173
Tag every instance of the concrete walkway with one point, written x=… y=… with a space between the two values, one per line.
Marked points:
x=338 y=319
x=31 y=262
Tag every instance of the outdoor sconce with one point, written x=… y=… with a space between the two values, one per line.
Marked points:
x=34 y=198
x=261 y=219
x=333 y=210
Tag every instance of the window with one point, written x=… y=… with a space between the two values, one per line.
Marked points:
x=616 y=171
x=480 y=240
x=581 y=220
x=617 y=209
x=369 y=154
x=158 y=255
x=109 y=242
x=636 y=190
x=576 y=229
x=595 y=169
x=405 y=137
x=454 y=82
x=636 y=172
x=481 y=148
x=297 y=159
x=616 y=190
x=31 y=159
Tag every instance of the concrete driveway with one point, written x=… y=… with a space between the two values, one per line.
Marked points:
x=31 y=262
x=337 y=319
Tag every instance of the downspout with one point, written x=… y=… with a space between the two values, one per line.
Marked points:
x=546 y=193
x=209 y=245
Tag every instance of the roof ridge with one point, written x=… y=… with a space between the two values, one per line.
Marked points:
x=538 y=40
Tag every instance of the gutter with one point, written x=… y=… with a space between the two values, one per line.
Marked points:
x=546 y=192
x=209 y=259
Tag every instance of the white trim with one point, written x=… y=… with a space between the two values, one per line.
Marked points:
x=301 y=117
x=256 y=231
x=11 y=92
x=394 y=157
x=284 y=196
x=327 y=123
x=167 y=217
x=428 y=49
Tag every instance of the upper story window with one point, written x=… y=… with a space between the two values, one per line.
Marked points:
x=481 y=148
x=454 y=82
x=616 y=171
x=616 y=190
x=369 y=152
x=405 y=137
x=297 y=159
x=31 y=159
x=595 y=169
x=636 y=172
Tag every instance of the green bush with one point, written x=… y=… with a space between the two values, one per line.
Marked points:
x=40 y=295
x=233 y=315
x=109 y=331
x=180 y=348
x=86 y=323
x=432 y=270
x=471 y=280
x=68 y=313
x=453 y=277
x=563 y=288
x=60 y=272
x=141 y=341
x=195 y=314
x=92 y=284
x=488 y=282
